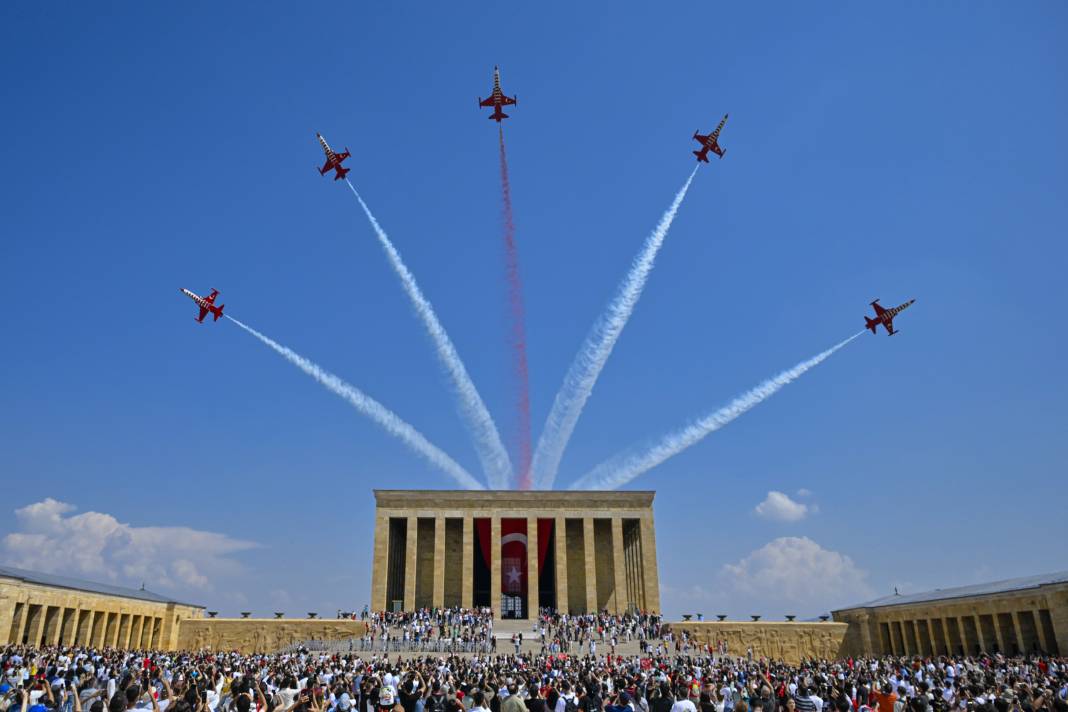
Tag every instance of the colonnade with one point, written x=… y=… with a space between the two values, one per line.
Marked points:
x=38 y=624
x=598 y=563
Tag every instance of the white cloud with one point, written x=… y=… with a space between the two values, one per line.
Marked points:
x=796 y=573
x=781 y=508
x=100 y=547
x=804 y=492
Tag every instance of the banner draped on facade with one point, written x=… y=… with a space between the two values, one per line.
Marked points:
x=513 y=549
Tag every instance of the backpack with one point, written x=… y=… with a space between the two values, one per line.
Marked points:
x=570 y=705
x=435 y=703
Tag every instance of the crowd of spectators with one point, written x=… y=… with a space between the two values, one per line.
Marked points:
x=64 y=679
x=429 y=630
x=566 y=633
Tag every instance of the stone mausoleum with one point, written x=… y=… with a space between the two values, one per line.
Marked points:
x=515 y=551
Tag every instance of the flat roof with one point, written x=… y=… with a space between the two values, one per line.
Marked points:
x=1023 y=583
x=514 y=499
x=78 y=584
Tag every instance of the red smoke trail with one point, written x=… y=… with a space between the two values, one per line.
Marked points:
x=519 y=331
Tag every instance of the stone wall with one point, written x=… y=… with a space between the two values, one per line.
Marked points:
x=262 y=635
x=791 y=642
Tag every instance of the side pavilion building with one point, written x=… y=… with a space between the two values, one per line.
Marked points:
x=1020 y=615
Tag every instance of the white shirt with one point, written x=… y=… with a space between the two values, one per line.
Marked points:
x=683 y=705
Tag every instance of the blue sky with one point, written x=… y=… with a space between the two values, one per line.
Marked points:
x=897 y=152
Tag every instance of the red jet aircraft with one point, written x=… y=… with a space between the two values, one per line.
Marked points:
x=710 y=142
x=886 y=316
x=206 y=304
x=333 y=160
x=497 y=98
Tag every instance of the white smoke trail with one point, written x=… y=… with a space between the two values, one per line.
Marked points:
x=373 y=410
x=591 y=358
x=490 y=449
x=623 y=468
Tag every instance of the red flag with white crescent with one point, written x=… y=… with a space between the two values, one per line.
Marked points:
x=513 y=556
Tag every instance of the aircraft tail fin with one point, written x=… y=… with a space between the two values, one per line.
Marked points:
x=701 y=157
x=218 y=312
x=870 y=324
x=341 y=173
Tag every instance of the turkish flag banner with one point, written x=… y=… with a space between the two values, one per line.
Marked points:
x=513 y=556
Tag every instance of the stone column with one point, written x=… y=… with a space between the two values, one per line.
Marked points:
x=533 y=578
x=1039 y=631
x=17 y=640
x=7 y=620
x=467 y=577
x=380 y=563
x=983 y=646
x=997 y=633
x=438 y=598
x=648 y=564
x=560 y=556
x=945 y=634
x=410 y=563
x=906 y=639
x=495 y=565
x=33 y=632
x=125 y=624
x=1019 y=633
x=965 y=643
x=56 y=631
x=931 y=635
x=619 y=566
x=96 y=629
x=135 y=630
x=863 y=622
x=591 y=565
x=72 y=638
x=1057 y=603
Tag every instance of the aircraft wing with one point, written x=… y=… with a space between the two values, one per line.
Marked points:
x=203 y=313
x=889 y=324
x=878 y=309
x=210 y=299
x=486 y=102
x=507 y=100
x=326 y=166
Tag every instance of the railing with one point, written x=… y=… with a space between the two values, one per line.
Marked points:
x=393 y=645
